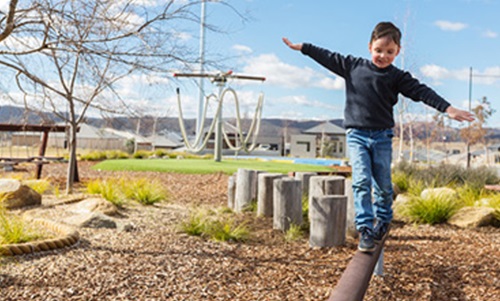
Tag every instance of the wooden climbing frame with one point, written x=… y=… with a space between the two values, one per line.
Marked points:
x=41 y=159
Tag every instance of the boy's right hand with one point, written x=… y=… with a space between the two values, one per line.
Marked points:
x=291 y=45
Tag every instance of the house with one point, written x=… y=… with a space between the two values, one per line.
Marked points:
x=329 y=141
x=89 y=137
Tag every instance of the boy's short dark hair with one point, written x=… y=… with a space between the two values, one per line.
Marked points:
x=386 y=29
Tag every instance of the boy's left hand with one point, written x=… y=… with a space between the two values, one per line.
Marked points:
x=459 y=115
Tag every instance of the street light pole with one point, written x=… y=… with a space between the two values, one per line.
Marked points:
x=470 y=109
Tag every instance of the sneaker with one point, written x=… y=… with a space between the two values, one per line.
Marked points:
x=380 y=231
x=366 y=242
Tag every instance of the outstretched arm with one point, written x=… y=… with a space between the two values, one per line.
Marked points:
x=459 y=115
x=291 y=45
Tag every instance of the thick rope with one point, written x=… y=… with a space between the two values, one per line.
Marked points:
x=196 y=147
x=68 y=237
x=252 y=132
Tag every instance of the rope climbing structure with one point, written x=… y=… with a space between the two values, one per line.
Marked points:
x=243 y=142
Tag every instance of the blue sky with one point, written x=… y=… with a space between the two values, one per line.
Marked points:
x=441 y=41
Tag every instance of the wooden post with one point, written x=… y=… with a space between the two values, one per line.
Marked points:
x=287 y=203
x=328 y=218
x=305 y=178
x=325 y=185
x=265 y=196
x=231 y=190
x=243 y=194
x=41 y=153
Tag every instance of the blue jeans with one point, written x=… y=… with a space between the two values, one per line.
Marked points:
x=371 y=155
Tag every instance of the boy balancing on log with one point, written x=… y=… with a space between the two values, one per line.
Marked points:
x=372 y=88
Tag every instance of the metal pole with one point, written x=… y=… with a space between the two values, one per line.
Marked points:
x=218 y=130
x=202 y=67
x=379 y=267
x=470 y=109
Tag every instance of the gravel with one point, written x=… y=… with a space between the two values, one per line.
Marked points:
x=154 y=261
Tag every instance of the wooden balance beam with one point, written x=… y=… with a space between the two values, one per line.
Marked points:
x=355 y=280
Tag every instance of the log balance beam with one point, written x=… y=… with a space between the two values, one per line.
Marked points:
x=354 y=281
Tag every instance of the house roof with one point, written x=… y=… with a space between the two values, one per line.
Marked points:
x=158 y=140
x=325 y=128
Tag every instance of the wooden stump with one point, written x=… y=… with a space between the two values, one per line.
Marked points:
x=305 y=178
x=231 y=191
x=328 y=221
x=325 y=185
x=265 y=198
x=243 y=194
x=287 y=203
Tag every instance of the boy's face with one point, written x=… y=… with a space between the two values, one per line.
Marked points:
x=383 y=51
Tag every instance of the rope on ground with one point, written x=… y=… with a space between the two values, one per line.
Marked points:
x=68 y=237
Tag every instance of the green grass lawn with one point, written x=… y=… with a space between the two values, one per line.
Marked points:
x=205 y=166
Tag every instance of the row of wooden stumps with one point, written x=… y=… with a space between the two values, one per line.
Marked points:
x=331 y=217
x=280 y=197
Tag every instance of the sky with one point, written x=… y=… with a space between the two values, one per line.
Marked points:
x=442 y=41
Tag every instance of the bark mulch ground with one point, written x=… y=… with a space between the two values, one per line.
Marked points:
x=154 y=261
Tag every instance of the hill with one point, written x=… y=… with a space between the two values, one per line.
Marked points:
x=270 y=127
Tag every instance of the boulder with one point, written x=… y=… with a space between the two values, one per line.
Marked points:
x=96 y=204
x=473 y=217
x=91 y=220
x=18 y=195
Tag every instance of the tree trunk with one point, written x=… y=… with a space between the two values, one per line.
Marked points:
x=70 y=178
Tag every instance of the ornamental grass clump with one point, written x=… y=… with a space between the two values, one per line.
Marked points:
x=433 y=209
x=145 y=191
x=108 y=189
x=13 y=228
x=217 y=226
x=294 y=233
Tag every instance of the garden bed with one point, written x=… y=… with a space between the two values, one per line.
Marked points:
x=154 y=261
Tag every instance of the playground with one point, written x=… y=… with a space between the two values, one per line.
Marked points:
x=154 y=260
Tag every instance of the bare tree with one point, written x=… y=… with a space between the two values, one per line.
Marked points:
x=477 y=132
x=69 y=55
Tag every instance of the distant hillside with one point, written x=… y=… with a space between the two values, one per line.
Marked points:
x=269 y=126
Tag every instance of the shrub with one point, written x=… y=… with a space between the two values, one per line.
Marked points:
x=144 y=191
x=13 y=229
x=226 y=230
x=446 y=175
x=116 y=154
x=93 y=156
x=295 y=233
x=40 y=186
x=215 y=226
x=431 y=210
x=108 y=189
x=141 y=154
x=401 y=180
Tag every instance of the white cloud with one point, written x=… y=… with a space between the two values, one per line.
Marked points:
x=242 y=49
x=450 y=26
x=281 y=74
x=490 y=34
x=489 y=76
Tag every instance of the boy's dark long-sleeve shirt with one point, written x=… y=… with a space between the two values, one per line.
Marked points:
x=371 y=92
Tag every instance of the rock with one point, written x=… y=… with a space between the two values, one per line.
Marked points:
x=91 y=220
x=18 y=195
x=94 y=205
x=399 y=206
x=473 y=217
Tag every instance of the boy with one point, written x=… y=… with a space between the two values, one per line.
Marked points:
x=372 y=88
